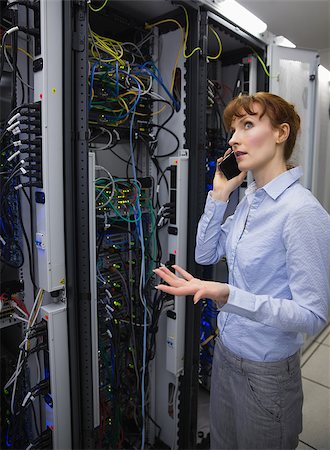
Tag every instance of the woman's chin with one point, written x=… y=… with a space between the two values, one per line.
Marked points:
x=244 y=167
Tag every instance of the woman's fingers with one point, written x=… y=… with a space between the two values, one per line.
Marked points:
x=186 y=275
x=178 y=291
x=164 y=269
x=201 y=293
x=168 y=276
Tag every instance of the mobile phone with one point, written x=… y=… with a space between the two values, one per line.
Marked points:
x=228 y=166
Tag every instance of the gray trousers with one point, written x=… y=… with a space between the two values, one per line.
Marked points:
x=254 y=405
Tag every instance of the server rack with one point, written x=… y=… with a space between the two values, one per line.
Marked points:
x=195 y=136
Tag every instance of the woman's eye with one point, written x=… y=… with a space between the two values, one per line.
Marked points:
x=248 y=125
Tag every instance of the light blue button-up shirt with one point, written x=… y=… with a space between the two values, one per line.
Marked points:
x=277 y=245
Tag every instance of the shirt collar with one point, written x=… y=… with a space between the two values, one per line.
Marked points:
x=278 y=185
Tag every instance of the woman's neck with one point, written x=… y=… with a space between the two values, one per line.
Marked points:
x=265 y=175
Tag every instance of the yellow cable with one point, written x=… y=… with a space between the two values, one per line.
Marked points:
x=186 y=36
x=207 y=340
x=109 y=46
x=138 y=80
x=261 y=62
x=100 y=8
x=155 y=113
x=151 y=25
x=21 y=50
x=219 y=42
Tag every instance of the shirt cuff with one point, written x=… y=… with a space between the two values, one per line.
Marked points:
x=240 y=302
x=214 y=208
x=217 y=201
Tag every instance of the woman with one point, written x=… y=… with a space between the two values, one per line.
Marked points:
x=277 y=245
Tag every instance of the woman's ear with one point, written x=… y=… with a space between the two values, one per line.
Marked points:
x=283 y=132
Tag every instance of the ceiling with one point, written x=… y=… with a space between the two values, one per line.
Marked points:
x=306 y=23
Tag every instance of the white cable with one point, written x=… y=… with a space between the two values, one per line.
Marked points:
x=16 y=316
x=12 y=68
x=112 y=184
x=11 y=30
x=26 y=399
x=18 y=369
x=13 y=155
x=105 y=147
x=14 y=304
x=123 y=44
x=13 y=379
x=13 y=125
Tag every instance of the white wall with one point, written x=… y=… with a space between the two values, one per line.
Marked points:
x=321 y=164
x=325 y=57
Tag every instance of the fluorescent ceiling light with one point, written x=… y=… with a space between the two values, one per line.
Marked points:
x=284 y=42
x=242 y=17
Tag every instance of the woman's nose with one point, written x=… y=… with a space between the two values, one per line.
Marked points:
x=233 y=140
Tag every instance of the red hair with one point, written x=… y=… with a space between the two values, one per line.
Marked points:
x=276 y=108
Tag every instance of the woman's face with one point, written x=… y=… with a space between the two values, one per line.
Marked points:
x=254 y=142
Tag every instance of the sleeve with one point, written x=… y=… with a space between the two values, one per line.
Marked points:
x=211 y=235
x=307 y=240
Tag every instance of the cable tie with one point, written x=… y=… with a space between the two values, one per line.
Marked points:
x=16 y=131
x=23 y=170
x=17 y=143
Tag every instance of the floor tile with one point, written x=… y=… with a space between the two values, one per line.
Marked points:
x=303 y=446
x=326 y=340
x=317 y=367
x=316 y=416
x=325 y=334
x=308 y=353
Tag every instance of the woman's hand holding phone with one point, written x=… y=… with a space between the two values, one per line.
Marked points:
x=222 y=187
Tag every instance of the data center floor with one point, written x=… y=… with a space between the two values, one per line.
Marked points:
x=315 y=363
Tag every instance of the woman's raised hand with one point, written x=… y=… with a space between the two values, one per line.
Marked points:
x=188 y=285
